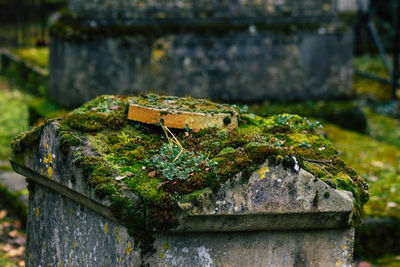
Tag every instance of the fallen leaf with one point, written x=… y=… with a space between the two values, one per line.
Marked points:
x=13 y=233
x=377 y=163
x=17 y=224
x=21 y=263
x=3 y=214
x=161 y=184
x=16 y=252
x=6 y=247
x=152 y=174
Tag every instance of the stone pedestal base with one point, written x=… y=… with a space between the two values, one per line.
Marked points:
x=64 y=232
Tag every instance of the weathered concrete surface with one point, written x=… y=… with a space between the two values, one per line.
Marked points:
x=242 y=66
x=283 y=200
x=63 y=233
x=275 y=249
x=211 y=49
x=277 y=218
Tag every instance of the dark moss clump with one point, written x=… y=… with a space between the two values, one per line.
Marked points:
x=68 y=139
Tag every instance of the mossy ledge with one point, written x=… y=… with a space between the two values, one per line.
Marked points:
x=137 y=158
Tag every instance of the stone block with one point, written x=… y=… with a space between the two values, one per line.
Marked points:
x=233 y=67
x=232 y=51
x=100 y=194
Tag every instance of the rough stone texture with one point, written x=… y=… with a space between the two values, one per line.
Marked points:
x=283 y=199
x=204 y=8
x=277 y=218
x=275 y=249
x=312 y=61
x=240 y=66
x=62 y=232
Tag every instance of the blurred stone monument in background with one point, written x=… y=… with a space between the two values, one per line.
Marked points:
x=236 y=50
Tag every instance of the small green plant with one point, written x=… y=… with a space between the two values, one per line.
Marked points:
x=175 y=164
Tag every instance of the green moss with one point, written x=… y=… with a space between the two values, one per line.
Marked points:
x=173 y=103
x=25 y=141
x=37 y=56
x=383 y=128
x=28 y=79
x=344 y=113
x=367 y=87
x=376 y=161
x=93 y=122
x=139 y=155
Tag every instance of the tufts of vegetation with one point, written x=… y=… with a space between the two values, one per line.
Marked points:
x=175 y=163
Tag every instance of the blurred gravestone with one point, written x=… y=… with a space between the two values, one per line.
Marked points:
x=228 y=50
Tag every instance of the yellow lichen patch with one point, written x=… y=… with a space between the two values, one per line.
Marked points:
x=50 y=158
x=339 y=263
x=119 y=239
x=116 y=231
x=263 y=172
x=49 y=172
x=74 y=245
x=120 y=259
x=45 y=160
x=129 y=249
x=165 y=246
x=37 y=212
x=105 y=228
x=162 y=254
x=159 y=51
x=47 y=146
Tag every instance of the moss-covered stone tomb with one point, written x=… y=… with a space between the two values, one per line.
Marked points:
x=111 y=188
x=236 y=50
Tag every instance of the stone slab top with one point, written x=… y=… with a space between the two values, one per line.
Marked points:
x=269 y=173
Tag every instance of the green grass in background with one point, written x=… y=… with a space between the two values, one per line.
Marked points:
x=37 y=56
x=13 y=116
x=366 y=87
x=378 y=162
